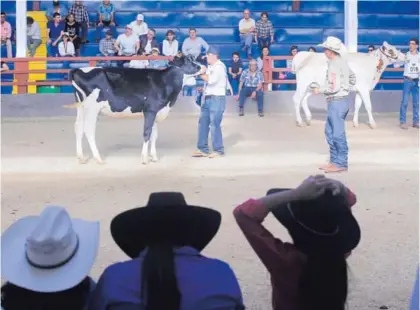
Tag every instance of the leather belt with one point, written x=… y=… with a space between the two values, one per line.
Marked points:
x=336 y=98
x=410 y=79
x=213 y=96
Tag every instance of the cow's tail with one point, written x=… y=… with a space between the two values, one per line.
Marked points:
x=300 y=60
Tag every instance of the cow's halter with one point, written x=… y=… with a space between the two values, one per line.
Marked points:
x=386 y=55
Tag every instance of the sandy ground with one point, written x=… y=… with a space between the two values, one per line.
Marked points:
x=39 y=167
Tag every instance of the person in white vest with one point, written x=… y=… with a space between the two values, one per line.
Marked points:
x=213 y=106
x=411 y=84
x=46 y=261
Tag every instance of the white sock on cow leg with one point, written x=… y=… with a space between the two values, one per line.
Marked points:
x=78 y=129
x=357 y=105
x=306 y=110
x=153 y=139
x=297 y=99
x=90 y=120
x=368 y=107
x=144 y=153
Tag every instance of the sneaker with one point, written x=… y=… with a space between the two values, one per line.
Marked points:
x=216 y=155
x=199 y=153
x=241 y=112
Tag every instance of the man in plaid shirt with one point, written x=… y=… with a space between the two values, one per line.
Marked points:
x=264 y=33
x=81 y=16
x=107 y=48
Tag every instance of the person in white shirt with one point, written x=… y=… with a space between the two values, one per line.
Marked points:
x=127 y=44
x=139 y=63
x=170 y=44
x=213 y=107
x=66 y=47
x=247 y=33
x=139 y=26
x=33 y=35
x=193 y=45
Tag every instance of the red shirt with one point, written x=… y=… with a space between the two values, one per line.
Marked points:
x=282 y=260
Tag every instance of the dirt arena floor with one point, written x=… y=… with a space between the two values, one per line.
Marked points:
x=39 y=167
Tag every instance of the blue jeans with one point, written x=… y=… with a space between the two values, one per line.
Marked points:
x=335 y=131
x=52 y=51
x=264 y=42
x=246 y=92
x=413 y=87
x=33 y=45
x=246 y=43
x=189 y=90
x=235 y=84
x=210 y=119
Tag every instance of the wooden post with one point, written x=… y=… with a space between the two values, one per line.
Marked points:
x=296 y=6
x=22 y=78
x=267 y=71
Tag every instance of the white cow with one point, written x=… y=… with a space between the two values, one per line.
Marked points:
x=311 y=67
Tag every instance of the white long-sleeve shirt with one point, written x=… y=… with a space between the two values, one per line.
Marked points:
x=217 y=82
x=66 y=50
x=34 y=31
x=170 y=49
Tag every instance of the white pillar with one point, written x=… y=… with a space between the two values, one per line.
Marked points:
x=350 y=25
x=21 y=28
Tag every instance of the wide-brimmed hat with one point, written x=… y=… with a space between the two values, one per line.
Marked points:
x=334 y=44
x=50 y=252
x=166 y=218
x=322 y=224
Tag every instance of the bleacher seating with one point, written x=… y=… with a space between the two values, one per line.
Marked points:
x=392 y=21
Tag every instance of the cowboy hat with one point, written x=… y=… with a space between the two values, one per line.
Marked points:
x=322 y=224
x=50 y=252
x=166 y=218
x=334 y=44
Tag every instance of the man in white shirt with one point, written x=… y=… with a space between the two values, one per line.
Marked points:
x=33 y=35
x=247 y=32
x=411 y=84
x=127 y=44
x=213 y=107
x=139 y=26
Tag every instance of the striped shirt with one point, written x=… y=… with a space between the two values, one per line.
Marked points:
x=80 y=13
x=107 y=46
x=263 y=29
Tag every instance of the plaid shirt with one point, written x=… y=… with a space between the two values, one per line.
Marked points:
x=264 y=29
x=106 y=45
x=80 y=13
x=251 y=81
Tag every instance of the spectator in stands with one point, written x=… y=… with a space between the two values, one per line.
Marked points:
x=251 y=85
x=46 y=261
x=157 y=64
x=312 y=49
x=247 y=33
x=4 y=67
x=139 y=63
x=33 y=35
x=149 y=42
x=81 y=16
x=264 y=31
x=170 y=44
x=55 y=30
x=57 y=8
x=66 y=47
x=6 y=34
x=260 y=64
x=193 y=45
x=139 y=26
x=371 y=49
x=107 y=48
x=127 y=44
x=189 y=86
x=235 y=71
x=310 y=273
x=73 y=29
x=289 y=75
x=167 y=269
x=106 y=16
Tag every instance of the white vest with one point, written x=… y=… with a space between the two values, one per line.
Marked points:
x=412 y=65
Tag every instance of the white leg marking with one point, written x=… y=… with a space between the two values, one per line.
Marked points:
x=163 y=114
x=153 y=138
x=305 y=108
x=297 y=99
x=79 y=89
x=144 y=153
x=357 y=105
x=78 y=129
x=368 y=106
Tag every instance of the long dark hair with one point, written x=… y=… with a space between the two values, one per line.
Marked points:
x=323 y=282
x=17 y=298
x=159 y=284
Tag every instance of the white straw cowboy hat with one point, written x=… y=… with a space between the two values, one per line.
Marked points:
x=334 y=44
x=50 y=252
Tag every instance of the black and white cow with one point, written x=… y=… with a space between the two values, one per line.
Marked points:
x=127 y=92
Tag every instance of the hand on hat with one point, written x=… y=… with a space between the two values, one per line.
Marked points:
x=314 y=186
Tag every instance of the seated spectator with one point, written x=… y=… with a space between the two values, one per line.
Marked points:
x=55 y=30
x=139 y=26
x=371 y=49
x=6 y=34
x=189 y=86
x=66 y=47
x=247 y=33
x=127 y=44
x=193 y=45
x=57 y=8
x=264 y=31
x=289 y=74
x=139 y=63
x=107 y=48
x=149 y=42
x=310 y=273
x=46 y=261
x=312 y=49
x=235 y=71
x=170 y=44
x=81 y=16
x=251 y=85
x=4 y=67
x=157 y=64
x=34 y=39
x=106 y=19
x=72 y=28
x=260 y=63
x=167 y=269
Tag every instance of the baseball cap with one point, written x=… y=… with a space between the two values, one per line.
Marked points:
x=213 y=50
x=140 y=17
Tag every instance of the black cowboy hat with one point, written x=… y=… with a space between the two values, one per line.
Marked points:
x=322 y=224
x=166 y=218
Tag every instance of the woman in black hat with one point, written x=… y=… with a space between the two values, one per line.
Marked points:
x=167 y=270
x=311 y=273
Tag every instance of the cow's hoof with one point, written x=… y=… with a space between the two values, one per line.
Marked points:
x=100 y=161
x=308 y=122
x=355 y=125
x=83 y=160
x=154 y=159
x=299 y=124
x=372 y=125
x=144 y=160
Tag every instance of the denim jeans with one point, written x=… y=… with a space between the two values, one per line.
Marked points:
x=413 y=87
x=264 y=42
x=246 y=43
x=235 y=84
x=33 y=45
x=52 y=51
x=335 y=131
x=210 y=120
x=189 y=90
x=246 y=92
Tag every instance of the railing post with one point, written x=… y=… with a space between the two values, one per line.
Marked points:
x=92 y=63
x=267 y=71
x=22 y=78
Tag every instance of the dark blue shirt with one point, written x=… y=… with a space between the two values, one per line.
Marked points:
x=55 y=30
x=204 y=283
